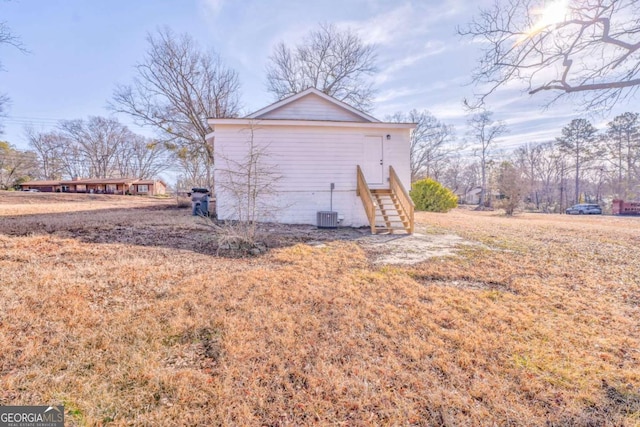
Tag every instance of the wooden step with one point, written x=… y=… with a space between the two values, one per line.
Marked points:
x=392 y=215
x=392 y=230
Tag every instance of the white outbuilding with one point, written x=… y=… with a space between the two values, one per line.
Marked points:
x=312 y=159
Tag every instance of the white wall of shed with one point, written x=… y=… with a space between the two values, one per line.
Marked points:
x=309 y=159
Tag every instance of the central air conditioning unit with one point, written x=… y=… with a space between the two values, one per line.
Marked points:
x=327 y=219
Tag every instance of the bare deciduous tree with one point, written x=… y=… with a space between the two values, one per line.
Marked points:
x=511 y=185
x=452 y=174
x=549 y=169
x=194 y=166
x=99 y=140
x=73 y=161
x=527 y=158
x=141 y=157
x=96 y=148
x=484 y=131
x=430 y=143
x=622 y=143
x=58 y=155
x=333 y=61
x=577 y=141
x=48 y=147
x=177 y=88
x=589 y=47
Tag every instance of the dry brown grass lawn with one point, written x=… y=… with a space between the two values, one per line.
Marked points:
x=124 y=314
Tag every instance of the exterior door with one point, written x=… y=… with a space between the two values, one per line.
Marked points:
x=373 y=168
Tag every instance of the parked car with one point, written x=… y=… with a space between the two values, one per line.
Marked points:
x=584 y=209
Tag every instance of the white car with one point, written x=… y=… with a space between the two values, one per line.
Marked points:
x=584 y=209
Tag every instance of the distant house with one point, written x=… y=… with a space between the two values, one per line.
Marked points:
x=472 y=196
x=99 y=186
x=620 y=207
x=330 y=157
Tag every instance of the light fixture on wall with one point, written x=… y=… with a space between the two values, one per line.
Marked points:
x=388 y=137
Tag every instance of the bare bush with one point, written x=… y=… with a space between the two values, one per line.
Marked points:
x=250 y=183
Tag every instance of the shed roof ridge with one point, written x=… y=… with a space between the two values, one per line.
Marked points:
x=341 y=104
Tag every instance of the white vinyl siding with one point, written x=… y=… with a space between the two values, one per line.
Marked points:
x=309 y=159
x=312 y=107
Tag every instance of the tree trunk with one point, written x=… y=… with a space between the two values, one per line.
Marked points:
x=577 y=178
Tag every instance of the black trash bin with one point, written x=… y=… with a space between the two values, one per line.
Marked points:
x=200 y=202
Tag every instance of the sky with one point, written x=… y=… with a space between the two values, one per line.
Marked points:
x=79 y=50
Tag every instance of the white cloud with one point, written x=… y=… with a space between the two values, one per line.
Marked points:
x=212 y=7
x=382 y=28
x=431 y=48
x=540 y=135
x=448 y=111
x=524 y=117
x=407 y=21
x=417 y=92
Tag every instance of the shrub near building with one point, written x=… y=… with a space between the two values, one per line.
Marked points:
x=430 y=195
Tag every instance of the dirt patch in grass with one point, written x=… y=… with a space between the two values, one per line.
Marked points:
x=535 y=323
x=410 y=249
x=463 y=283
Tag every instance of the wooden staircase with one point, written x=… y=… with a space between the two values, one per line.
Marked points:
x=389 y=210
x=390 y=217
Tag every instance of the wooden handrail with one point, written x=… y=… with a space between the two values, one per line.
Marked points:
x=367 y=199
x=403 y=196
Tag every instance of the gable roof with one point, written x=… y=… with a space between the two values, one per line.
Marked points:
x=336 y=104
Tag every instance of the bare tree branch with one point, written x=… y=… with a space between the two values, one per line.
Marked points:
x=577 y=141
x=99 y=140
x=484 y=131
x=589 y=47
x=622 y=146
x=177 y=88
x=430 y=143
x=48 y=146
x=7 y=37
x=96 y=148
x=332 y=61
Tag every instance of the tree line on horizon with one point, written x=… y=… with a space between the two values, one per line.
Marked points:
x=582 y=164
